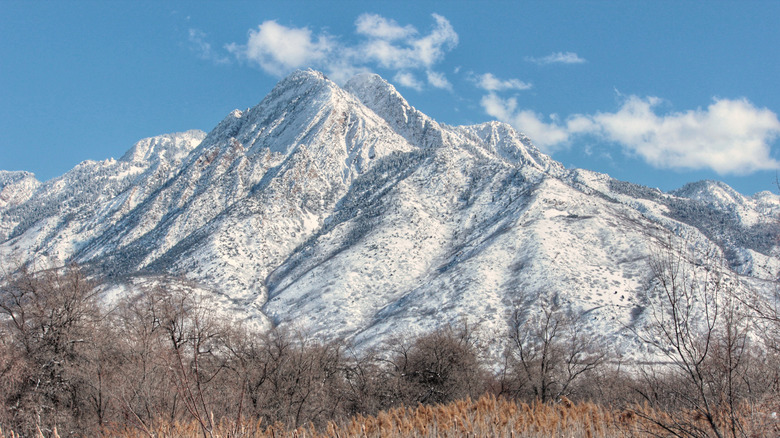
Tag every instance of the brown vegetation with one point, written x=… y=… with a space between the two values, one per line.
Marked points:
x=488 y=416
x=162 y=363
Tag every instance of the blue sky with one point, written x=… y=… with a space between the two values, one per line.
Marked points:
x=657 y=93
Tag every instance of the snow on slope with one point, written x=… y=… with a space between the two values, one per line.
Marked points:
x=65 y=213
x=259 y=184
x=15 y=188
x=348 y=212
x=718 y=195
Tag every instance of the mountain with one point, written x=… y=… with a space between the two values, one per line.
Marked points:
x=349 y=213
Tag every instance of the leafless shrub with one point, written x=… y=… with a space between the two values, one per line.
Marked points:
x=698 y=324
x=437 y=368
x=174 y=358
x=50 y=320
x=550 y=351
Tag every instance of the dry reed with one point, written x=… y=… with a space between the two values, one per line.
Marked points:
x=486 y=417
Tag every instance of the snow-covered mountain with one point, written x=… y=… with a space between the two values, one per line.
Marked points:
x=347 y=212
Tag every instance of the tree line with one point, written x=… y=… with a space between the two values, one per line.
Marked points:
x=68 y=360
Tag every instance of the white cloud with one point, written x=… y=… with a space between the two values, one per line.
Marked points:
x=548 y=136
x=558 y=58
x=488 y=82
x=397 y=50
x=342 y=71
x=729 y=136
x=438 y=80
x=278 y=49
x=501 y=109
x=199 y=45
x=387 y=54
x=376 y=26
x=408 y=80
x=431 y=48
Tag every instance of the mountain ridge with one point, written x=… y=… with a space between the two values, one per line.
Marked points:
x=350 y=213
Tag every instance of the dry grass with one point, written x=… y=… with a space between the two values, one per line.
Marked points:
x=486 y=417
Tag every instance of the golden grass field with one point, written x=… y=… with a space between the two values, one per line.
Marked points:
x=486 y=417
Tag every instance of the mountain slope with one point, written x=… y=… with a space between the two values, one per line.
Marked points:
x=62 y=214
x=347 y=212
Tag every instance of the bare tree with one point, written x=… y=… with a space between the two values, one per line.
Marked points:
x=438 y=367
x=366 y=384
x=549 y=352
x=177 y=349
x=701 y=329
x=51 y=317
x=145 y=391
x=13 y=372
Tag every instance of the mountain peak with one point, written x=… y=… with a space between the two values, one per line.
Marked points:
x=713 y=192
x=16 y=187
x=307 y=75
x=300 y=86
x=14 y=176
x=384 y=100
x=504 y=141
x=171 y=147
x=367 y=84
x=303 y=81
x=375 y=92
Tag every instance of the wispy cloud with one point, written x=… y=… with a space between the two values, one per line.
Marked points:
x=278 y=49
x=438 y=80
x=488 y=82
x=729 y=136
x=379 y=27
x=558 y=58
x=199 y=45
x=408 y=80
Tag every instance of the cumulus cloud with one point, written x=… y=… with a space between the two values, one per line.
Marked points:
x=558 y=58
x=393 y=47
x=729 y=136
x=488 y=82
x=278 y=49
